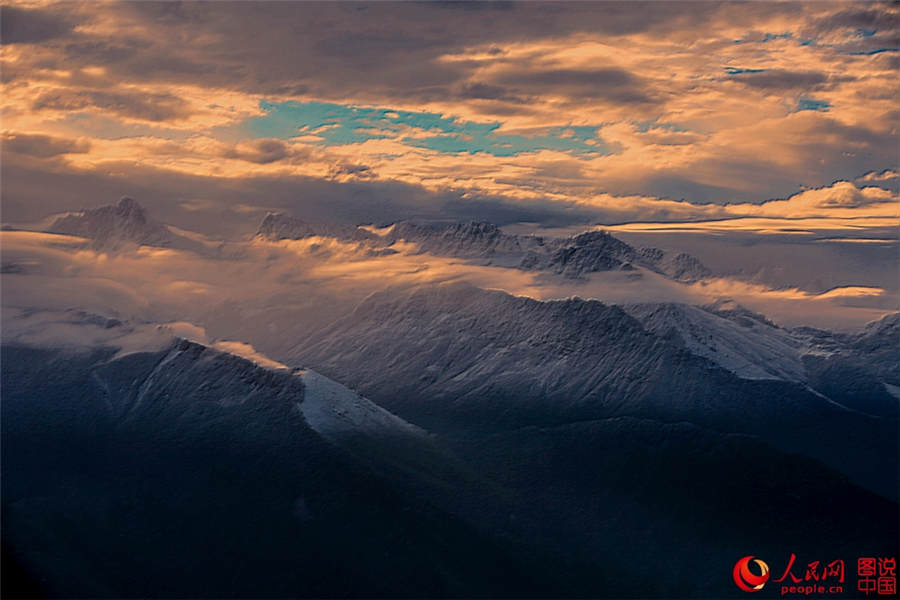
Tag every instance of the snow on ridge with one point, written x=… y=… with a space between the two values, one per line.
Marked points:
x=334 y=410
x=749 y=348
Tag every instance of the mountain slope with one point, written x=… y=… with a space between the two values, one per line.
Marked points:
x=750 y=348
x=470 y=351
x=458 y=359
x=190 y=472
x=184 y=471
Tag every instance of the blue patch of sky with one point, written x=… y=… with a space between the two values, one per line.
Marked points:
x=811 y=104
x=645 y=126
x=768 y=38
x=860 y=34
x=873 y=52
x=777 y=36
x=338 y=124
x=739 y=71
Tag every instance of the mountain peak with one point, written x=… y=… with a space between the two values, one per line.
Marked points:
x=730 y=309
x=572 y=257
x=280 y=226
x=128 y=205
x=113 y=224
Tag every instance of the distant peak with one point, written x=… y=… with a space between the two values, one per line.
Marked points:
x=128 y=203
x=129 y=209
x=478 y=226
x=109 y=225
x=279 y=226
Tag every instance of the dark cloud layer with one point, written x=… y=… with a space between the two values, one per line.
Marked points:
x=227 y=207
x=330 y=49
x=147 y=66
x=150 y=107
x=783 y=79
x=25 y=26
x=42 y=146
x=334 y=50
x=616 y=85
x=260 y=151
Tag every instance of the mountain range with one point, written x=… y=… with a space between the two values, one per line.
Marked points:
x=439 y=440
x=572 y=257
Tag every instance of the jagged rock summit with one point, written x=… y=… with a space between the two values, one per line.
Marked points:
x=114 y=224
x=279 y=226
x=572 y=257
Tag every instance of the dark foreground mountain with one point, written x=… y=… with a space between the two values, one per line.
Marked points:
x=184 y=471
x=457 y=359
x=545 y=449
x=189 y=472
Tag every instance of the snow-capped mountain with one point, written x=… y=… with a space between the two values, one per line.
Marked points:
x=334 y=410
x=680 y=266
x=133 y=461
x=327 y=407
x=455 y=357
x=858 y=371
x=468 y=240
x=108 y=226
x=549 y=360
x=573 y=257
x=878 y=345
x=485 y=443
x=748 y=347
x=126 y=223
x=127 y=450
x=279 y=226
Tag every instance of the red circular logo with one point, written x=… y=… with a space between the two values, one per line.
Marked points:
x=745 y=579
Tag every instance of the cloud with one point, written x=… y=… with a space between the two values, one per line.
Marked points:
x=138 y=105
x=249 y=352
x=476 y=90
x=836 y=204
x=783 y=79
x=858 y=16
x=667 y=101
x=261 y=152
x=26 y=26
x=43 y=146
x=821 y=201
x=611 y=84
x=298 y=284
x=885 y=175
x=694 y=119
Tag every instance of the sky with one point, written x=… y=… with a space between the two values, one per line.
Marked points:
x=731 y=129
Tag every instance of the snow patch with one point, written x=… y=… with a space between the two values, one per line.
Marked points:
x=334 y=410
